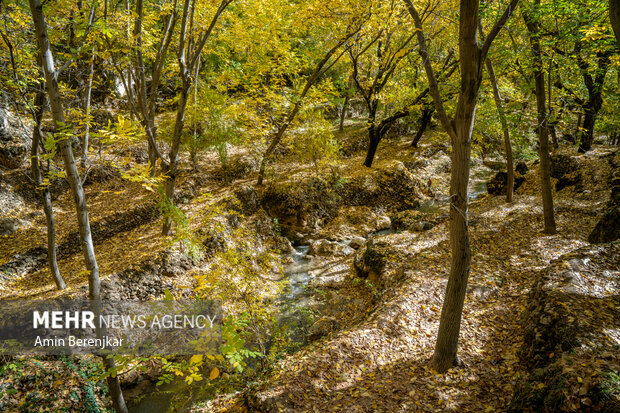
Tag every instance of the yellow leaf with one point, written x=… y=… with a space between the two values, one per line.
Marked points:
x=214 y=373
x=196 y=358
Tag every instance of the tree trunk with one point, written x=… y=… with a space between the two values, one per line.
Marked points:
x=587 y=131
x=614 y=17
x=87 y=109
x=46 y=198
x=427 y=115
x=593 y=104
x=314 y=77
x=74 y=182
x=374 y=138
x=343 y=113
x=170 y=170
x=502 y=117
x=460 y=129
x=445 y=355
x=543 y=132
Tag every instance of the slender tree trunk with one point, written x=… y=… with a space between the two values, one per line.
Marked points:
x=170 y=170
x=314 y=77
x=46 y=197
x=551 y=124
x=74 y=181
x=374 y=133
x=591 y=110
x=345 y=105
x=343 y=112
x=543 y=132
x=502 y=117
x=427 y=115
x=87 y=107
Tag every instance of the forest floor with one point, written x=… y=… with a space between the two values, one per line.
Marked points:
x=379 y=360
x=382 y=363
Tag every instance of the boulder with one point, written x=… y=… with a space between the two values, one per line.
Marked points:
x=391 y=185
x=383 y=222
x=330 y=248
x=357 y=242
x=563 y=164
x=521 y=168
x=607 y=228
x=371 y=259
x=8 y=226
x=570 y=334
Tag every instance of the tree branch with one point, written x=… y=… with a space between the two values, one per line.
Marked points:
x=430 y=73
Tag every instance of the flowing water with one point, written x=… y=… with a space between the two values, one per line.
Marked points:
x=296 y=300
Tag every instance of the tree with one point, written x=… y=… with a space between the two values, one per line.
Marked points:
x=502 y=118
x=20 y=82
x=321 y=67
x=533 y=27
x=142 y=97
x=471 y=57
x=38 y=109
x=73 y=177
x=382 y=52
x=188 y=56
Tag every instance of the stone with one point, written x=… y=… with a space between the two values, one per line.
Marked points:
x=8 y=226
x=327 y=247
x=357 y=242
x=383 y=222
x=521 y=168
x=563 y=164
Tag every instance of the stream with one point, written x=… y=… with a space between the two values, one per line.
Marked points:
x=477 y=187
x=295 y=303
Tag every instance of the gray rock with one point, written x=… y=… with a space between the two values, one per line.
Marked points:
x=383 y=222
x=327 y=247
x=357 y=242
x=9 y=226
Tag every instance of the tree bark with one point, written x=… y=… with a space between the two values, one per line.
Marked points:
x=614 y=17
x=74 y=181
x=46 y=198
x=542 y=130
x=345 y=105
x=373 y=142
